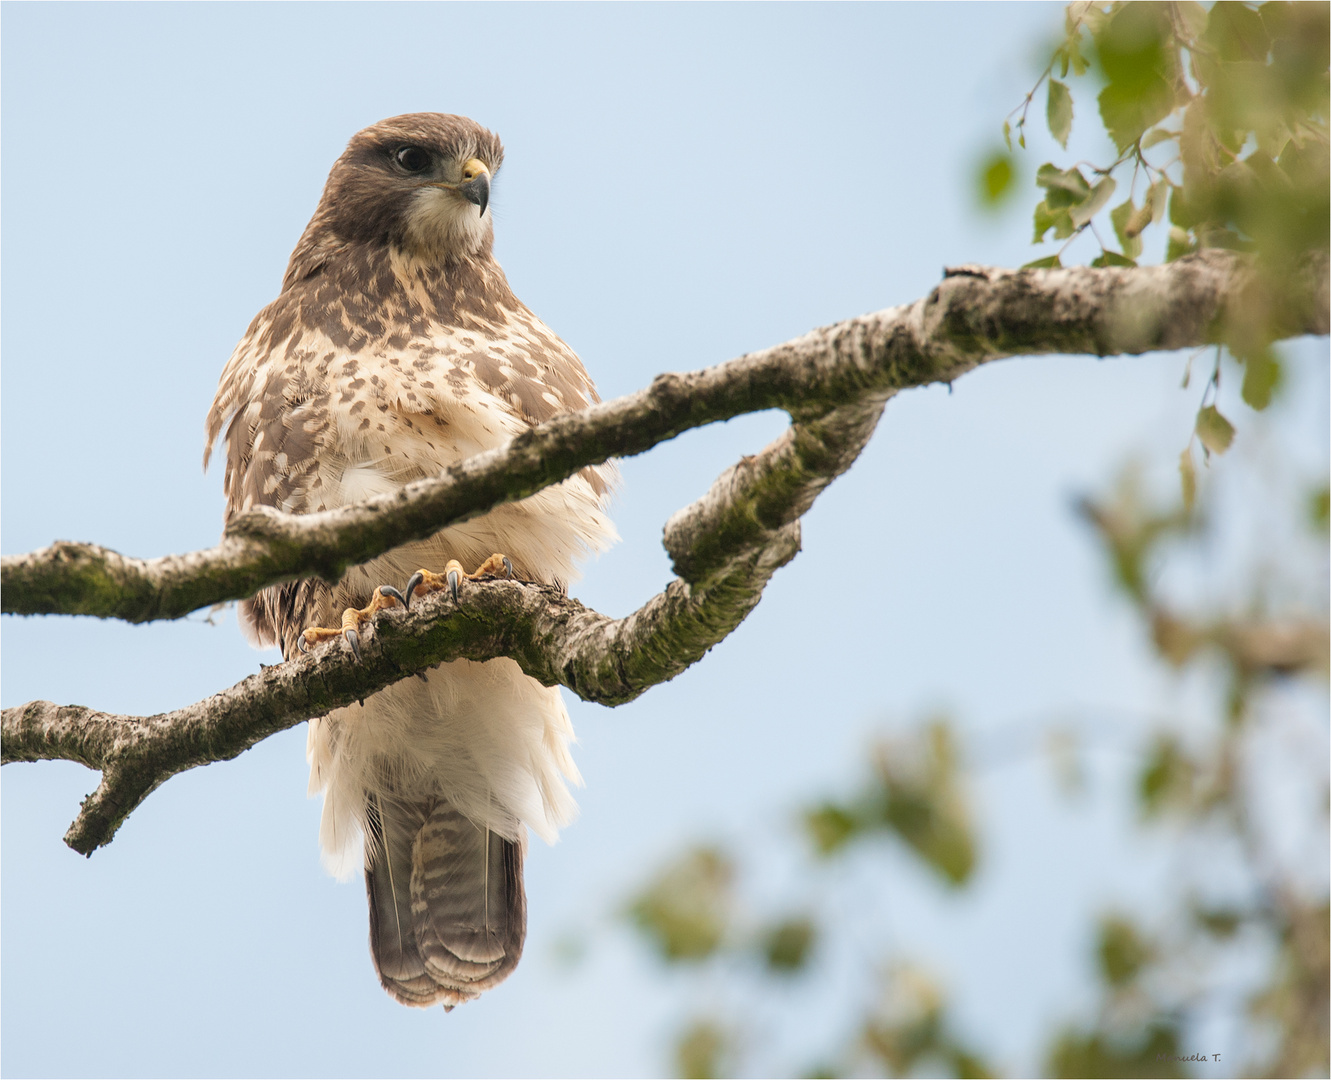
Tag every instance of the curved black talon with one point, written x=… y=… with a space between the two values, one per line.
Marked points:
x=300 y=643
x=508 y=567
x=354 y=639
x=388 y=590
x=410 y=590
x=454 y=579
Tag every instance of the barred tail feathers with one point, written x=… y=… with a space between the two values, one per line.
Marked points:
x=448 y=913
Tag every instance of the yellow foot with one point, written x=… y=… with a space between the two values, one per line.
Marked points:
x=495 y=566
x=385 y=596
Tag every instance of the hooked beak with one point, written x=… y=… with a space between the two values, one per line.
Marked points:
x=475 y=186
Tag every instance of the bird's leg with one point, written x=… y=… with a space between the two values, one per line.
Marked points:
x=385 y=596
x=495 y=566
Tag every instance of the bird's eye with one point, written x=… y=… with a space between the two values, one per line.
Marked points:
x=413 y=159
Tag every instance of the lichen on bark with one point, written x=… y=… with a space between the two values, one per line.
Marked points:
x=725 y=547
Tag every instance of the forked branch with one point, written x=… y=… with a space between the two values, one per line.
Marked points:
x=833 y=382
x=975 y=315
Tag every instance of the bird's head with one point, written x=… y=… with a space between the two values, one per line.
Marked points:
x=419 y=183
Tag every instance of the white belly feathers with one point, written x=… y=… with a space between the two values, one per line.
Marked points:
x=487 y=738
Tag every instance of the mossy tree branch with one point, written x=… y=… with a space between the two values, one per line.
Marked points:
x=974 y=316
x=833 y=382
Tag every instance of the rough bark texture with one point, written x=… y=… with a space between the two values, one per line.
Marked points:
x=833 y=382
x=975 y=315
x=553 y=638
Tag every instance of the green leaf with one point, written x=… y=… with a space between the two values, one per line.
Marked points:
x=1074 y=56
x=1065 y=187
x=1214 y=430
x=924 y=819
x=995 y=180
x=685 y=910
x=1049 y=262
x=1180 y=213
x=1119 y=219
x=1156 y=136
x=1137 y=53
x=703 y=1050
x=1128 y=113
x=1194 y=17
x=921 y=802
x=1218 y=921
x=1166 y=778
x=1319 y=508
x=1111 y=258
x=1187 y=472
x=1155 y=1051
x=831 y=827
x=1180 y=244
x=1122 y=951
x=1046 y=219
x=1007 y=135
x=1261 y=375
x=1078 y=62
x=1135 y=44
x=1272 y=138
x=1236 y=32
x=1058 y=112
x=788 y=945
x=1095 y=202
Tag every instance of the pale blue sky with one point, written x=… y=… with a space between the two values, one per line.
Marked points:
x=682 y=184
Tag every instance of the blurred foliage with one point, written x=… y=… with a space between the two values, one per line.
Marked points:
x=703 y=1050
x=1153 y=983
x=1319 y=508
x=1131 y=532
x=1121 y=950
x=1251 y=647
x=914 y=794
x=1151 y=1052
x=1168 y=777
x=1218 y=122
x=996 y=178
x=1295 y=1006
x=686 y=910
x=788 y=945
x=1249 y=651
x=689 y=912
x=1217 y=119
x=907 y=1031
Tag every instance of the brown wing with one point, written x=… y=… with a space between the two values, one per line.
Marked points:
x=273 y=414
x=530 y=368
x=274 y=407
